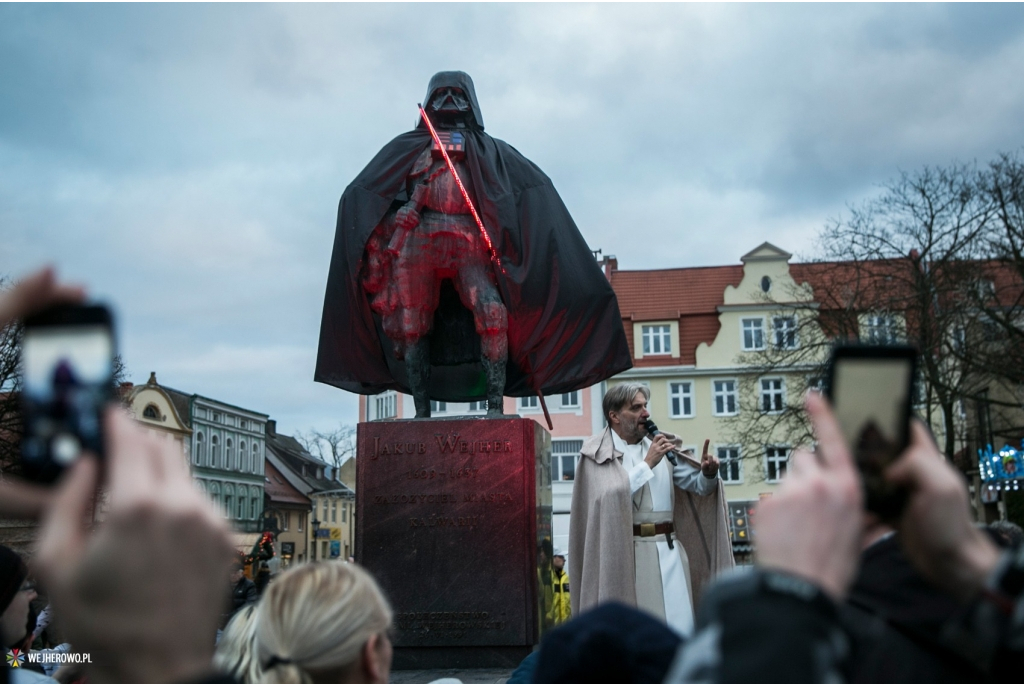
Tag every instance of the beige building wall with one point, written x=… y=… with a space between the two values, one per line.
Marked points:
x=335 y=515
x=723 y=360
x=152 y=408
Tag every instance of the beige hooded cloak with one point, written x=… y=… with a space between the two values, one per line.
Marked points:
x=601 y=550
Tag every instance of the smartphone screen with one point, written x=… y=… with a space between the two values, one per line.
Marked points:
x=68 y=370
x=870 y=398
x=870 y=389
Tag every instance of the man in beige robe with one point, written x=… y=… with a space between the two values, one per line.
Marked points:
x=643 y=531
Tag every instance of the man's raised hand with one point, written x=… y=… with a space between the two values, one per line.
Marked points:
x=708 y=462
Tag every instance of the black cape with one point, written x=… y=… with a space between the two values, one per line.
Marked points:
x=565 y=330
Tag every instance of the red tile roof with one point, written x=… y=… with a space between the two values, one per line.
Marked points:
x=280 y=490
x=692 y=296
x=671 y=293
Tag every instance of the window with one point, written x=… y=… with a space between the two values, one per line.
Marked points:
x=214 y=447
x=241 y=507
x=436 y=406
x=528 y=403
x=991 y=329
x=563 y=459
x=215 y=417
x=200 y=447
x=324 y=519
x=229 y=502
x=724 y=397
x=785 y=332
x=776 y=459
x=256 y=459
x=478 y=406
x=385 y=405
x=151 y=412
x=773 y=393
x=657 y=339
x=753 y=334
x=731 y=467
x=286 y=520
x=881 y=330
x=680 y=399
x=334 y=511
x=243 y=424
x=255 y=507
x=242 y=456
x=302 y=520
x=766 y=284
x=571 y=400
x=229 y=455
x=344 y=513
x=959 y=339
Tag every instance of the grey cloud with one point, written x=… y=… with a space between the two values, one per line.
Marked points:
x=187 y=160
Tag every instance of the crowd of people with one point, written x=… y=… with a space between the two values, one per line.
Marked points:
x=835 y=595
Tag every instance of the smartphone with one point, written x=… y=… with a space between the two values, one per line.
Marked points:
x=871 y=391
x=67 y=361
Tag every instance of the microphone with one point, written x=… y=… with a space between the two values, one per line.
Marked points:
x=653 y=431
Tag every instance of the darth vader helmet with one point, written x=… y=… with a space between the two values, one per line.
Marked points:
x=451 y=101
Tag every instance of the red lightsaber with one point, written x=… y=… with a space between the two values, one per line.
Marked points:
x=462 y=188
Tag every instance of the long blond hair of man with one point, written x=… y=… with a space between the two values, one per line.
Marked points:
x=316 y=618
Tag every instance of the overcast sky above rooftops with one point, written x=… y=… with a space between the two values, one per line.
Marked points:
x=186 y=160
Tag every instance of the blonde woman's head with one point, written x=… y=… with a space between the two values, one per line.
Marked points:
x=324 y=622
x=236 y=651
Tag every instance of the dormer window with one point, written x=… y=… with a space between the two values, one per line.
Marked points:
x=151 y=412
x=657 y=339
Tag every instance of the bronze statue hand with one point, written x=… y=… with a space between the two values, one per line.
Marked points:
x=407 y=217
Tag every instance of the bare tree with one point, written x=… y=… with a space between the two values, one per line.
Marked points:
x=899 y=267
x=333 y=447
x=994 y=317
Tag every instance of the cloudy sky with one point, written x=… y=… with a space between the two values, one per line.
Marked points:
x=186 y=160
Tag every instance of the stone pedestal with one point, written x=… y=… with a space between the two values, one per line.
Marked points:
x=451 y=518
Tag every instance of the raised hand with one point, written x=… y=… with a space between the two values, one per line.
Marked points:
x=708 y=462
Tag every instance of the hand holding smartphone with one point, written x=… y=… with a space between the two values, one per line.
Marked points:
x=67 y=362
x=871 y=391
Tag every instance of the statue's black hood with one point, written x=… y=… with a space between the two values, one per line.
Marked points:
x=455 y=79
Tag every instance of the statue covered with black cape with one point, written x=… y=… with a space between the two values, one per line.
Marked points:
x=564 y=328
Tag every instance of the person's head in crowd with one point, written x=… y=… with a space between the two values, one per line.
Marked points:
x=236 y=651
x=1006 y=533
x=15 y=595
x=610 y=644
x=237 y=573
x=324 y=623
x=544 y=552
x=558 y=561
x=625 y=412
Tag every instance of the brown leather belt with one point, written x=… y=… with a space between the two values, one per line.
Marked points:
x=648 y=530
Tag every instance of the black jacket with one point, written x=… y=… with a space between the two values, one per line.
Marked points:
x=243 y=593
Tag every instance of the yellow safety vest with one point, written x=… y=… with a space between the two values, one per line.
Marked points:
x=560 y=608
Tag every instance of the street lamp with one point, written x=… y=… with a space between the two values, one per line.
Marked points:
x=314 y=526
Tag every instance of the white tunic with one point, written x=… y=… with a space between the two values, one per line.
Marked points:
x=678 y=608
